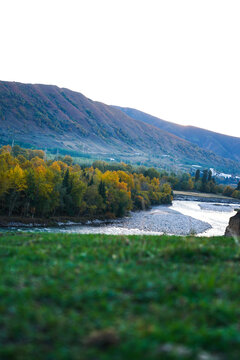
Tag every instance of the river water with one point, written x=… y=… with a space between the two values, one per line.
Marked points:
x=181 y=218
x=217 y=215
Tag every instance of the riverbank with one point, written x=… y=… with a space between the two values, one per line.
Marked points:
x=197 y=196
x=181 y=218
x=160 y=219
x=119 y=297
x=18 y=221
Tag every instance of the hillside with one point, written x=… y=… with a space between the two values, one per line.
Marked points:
x=49 y=116
x=222 y=145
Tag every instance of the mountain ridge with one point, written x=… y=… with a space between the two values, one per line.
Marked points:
x=49 y=116
x=221 y=144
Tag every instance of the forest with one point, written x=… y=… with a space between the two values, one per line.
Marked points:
x=202 y=181
x=32 y=186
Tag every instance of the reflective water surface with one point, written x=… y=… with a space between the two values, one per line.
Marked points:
x=215 y=214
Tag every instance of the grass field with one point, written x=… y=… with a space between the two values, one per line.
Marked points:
x=114 y=297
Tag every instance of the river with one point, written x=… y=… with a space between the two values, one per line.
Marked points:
x=183 y=217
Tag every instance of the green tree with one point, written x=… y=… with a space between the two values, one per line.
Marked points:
x=68 y=160
x=228 y=191
x=209 y=176
x=197 y=175
x=205 y=176
x=152 y=173
x=102 y=189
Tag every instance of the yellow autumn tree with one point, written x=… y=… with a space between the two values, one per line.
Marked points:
x=17 y=178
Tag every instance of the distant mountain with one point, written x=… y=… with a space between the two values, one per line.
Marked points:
x=49 y=116
x=222 y=145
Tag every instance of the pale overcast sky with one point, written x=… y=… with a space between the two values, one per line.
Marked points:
x=175 y=59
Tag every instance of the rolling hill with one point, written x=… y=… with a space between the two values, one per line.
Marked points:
x=222 y=145
x=48 y=116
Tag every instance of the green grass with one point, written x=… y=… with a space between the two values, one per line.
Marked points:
x=116 y=297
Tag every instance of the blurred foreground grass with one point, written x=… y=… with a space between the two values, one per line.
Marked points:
x=119 y=297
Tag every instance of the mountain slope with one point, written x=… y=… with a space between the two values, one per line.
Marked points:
x=222 y=145
x=49 y=116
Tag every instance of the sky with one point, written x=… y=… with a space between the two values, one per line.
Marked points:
x=175 y=59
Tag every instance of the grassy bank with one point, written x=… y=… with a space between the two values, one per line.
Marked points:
x=115 y=297
x=204 y=195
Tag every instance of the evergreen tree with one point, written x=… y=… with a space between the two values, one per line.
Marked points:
x=238 y=187
x=205 y=176
x=102 y=190
x=209 y=175
x=66 y=181
x=197 y=175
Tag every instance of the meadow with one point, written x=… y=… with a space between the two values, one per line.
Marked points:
x=105 y=297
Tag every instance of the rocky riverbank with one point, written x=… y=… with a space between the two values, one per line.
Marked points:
x=160 y=219
x=165 y=220
x=180 y=218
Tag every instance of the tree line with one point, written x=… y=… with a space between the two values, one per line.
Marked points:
x=32 y=186
x=202 y=182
